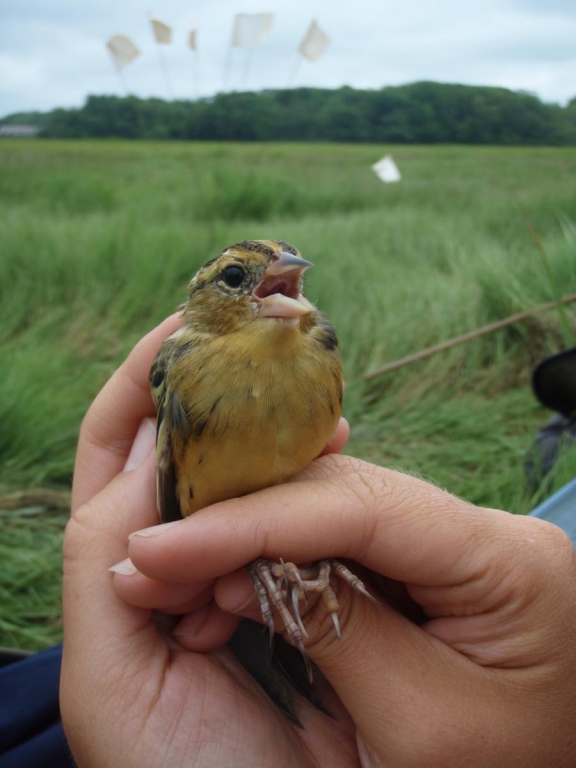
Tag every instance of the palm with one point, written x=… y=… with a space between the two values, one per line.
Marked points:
x=204 y=709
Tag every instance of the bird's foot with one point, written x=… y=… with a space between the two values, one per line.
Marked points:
x=280 y=585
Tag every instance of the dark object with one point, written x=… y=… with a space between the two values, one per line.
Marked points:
x=31 y=731
x=556 y=435
x=279 y=670
x=554 y=384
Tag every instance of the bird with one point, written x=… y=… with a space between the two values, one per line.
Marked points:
x=248 y=392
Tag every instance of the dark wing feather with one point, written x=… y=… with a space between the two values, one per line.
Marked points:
x=280 y=670
x=169 y=411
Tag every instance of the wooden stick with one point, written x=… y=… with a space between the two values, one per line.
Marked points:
x=424 y=353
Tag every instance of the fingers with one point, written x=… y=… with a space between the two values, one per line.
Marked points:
x=202 y=627
x=206 y=629
x=457 y=560
x=112 y=421
x=172 y=599
x=341 y=507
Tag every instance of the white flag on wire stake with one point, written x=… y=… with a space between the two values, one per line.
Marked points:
x=162 y=32
x=193 y=45
x=251 y=29
x=122 y=50
x=387 y=170
x=314 y=43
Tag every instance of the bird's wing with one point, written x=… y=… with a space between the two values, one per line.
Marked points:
x=170 y=416
x=280 y=671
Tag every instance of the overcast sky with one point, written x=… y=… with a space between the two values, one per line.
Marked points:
x=52 y=51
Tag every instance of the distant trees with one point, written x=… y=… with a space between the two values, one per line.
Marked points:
x=423 y=112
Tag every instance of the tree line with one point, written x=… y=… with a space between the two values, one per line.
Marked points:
x=422 y=113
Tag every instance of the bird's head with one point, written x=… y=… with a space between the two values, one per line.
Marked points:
x=250 y=281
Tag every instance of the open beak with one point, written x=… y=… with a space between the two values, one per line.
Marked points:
x=278 y=293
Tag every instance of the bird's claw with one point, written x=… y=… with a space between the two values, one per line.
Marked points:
x=274 y=583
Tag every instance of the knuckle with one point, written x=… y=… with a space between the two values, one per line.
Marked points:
x=84 y=537
x=77 y=531
x=558 y=540
x=549 y=543
x=86 y=432
x=534 y=563
x=95 y=433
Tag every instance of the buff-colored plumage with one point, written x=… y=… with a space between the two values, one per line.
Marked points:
x=248 y=392
x=245 y=399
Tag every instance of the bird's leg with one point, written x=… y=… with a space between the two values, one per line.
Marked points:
x=352 y=580
x=285 y=583
x=262 y=578
x=319 y=584
x=290 y=575
x=262 y=592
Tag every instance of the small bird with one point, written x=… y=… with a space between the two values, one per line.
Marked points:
x=248 y=392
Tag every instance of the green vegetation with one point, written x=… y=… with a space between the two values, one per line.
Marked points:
x=419 y=113
x=100 y=239
x=25 y=118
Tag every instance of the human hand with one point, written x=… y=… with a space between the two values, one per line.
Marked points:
x=486 y=680
x=131 y=696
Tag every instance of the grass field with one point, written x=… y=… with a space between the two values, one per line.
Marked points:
x=98 y=242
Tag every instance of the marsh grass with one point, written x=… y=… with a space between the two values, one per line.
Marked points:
x=98 y=242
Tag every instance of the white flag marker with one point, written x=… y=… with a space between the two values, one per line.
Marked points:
x=387 y=170
x=162 y=32
x=251 y=29
x=122 y=50
x=314 y=43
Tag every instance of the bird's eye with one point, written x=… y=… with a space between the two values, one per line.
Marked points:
x=233 y=276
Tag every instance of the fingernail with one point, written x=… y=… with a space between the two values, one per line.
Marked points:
x=191 y=624
x=142 y=446
x=248 y=602
x=156 y=530
x=125 y=567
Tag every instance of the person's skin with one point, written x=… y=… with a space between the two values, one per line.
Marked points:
x=486 y=678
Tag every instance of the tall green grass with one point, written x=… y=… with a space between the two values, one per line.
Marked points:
x=99 y=239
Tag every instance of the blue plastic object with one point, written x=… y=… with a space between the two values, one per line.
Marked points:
x=560 y=509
